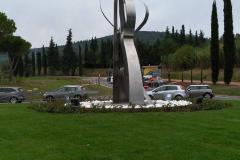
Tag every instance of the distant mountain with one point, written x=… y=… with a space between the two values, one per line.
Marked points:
x=144 y=36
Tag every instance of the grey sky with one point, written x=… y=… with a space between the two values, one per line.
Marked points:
x=38 y=20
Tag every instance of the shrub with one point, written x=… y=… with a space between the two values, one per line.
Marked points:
x=53 y=107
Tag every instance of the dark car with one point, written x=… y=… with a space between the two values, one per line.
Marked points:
x=69 y=91
x=200 y=91
x=11 y=95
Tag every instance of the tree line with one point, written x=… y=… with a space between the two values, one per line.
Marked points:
x=15 y=46
x=50 y=61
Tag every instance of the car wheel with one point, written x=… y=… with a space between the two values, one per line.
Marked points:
x=207 y=96
x=151 y=97
x=178 y=98
x=49 y=98
x=78 y=97
x=13 y=100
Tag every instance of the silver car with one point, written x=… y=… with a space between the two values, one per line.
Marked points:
x=168 y=92
x=11 y=95
x=200 y=91
x=69 y=91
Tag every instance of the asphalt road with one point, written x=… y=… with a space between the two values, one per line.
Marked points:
x=103 y=82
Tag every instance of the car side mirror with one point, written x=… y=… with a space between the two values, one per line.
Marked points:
x=188 y=89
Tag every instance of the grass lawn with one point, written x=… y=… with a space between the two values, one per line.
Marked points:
x=49 y=83
x=226 y=90
x=209 y=135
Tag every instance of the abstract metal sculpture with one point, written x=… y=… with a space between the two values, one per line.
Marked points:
x=127 y=81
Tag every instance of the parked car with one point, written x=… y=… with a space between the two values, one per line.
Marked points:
x=200 y=91
x=11 y=95
x=69 y=91
x=167 y=92
x=149 y=85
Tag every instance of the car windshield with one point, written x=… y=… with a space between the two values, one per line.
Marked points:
x=70 y=89
x=20 y=89
x=159 y=89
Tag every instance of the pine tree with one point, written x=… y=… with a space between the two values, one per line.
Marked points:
x=214 y=44
x=190 y=37
x=57 y=58
x=167 y=33
x=26 y=66
x=86 y=62
x=51 y=57
x=80 y=65
x=69 y=59
x=103 y=58
x=229 y=42
x=44 y=61
x=33 y=64
x=183 y=36
x=201 y=37
x=39 y=63
x=196 y=39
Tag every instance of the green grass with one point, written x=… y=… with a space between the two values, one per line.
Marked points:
x=209 y=135
x=49 y=83
x=226 y=90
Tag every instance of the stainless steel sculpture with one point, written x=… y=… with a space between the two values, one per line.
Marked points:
x=127 y=81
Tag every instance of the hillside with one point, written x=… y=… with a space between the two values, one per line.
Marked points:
x=144 y=36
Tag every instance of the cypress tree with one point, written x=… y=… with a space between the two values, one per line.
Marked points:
x=26 y=66
x=229 y=42
x=56 y=63
x=201 y=37
x=196 y=39
x=214 y=44
x=80 y=65
x=190 y=37
x=51 y=57
x=86 y=62
x=103 y=57
x=183 y=36
x=39 y=63
x=33 y=64
x=167 y=33
x=69 y=59
x=44 y=61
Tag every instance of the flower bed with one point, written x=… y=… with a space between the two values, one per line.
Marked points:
x=108 y=107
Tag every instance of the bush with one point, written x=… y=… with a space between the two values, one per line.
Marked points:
x=53 y=107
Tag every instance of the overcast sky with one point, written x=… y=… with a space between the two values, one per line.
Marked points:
x=38 y=20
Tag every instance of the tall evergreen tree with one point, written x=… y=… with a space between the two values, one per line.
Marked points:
x=57 y=63
x=86 y=59
x=167 y=33
x=80 y=63
x=214 y=44
x=69 y=60
x=103 y=58
x=44 y=61
x=33 y=64
x=229 y=42
x=201 y=37
x=190 y=37
x=51 y=57
x=39 y=63
x=196 y=39
x=183 y=36
x=27 y=67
